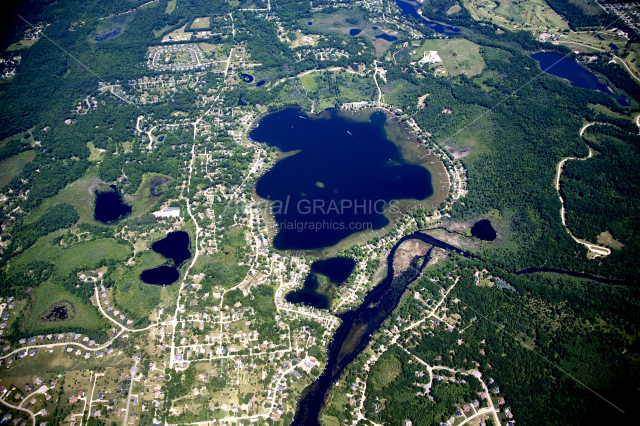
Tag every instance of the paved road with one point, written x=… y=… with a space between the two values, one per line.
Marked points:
x=17 y=407
x=133 y=372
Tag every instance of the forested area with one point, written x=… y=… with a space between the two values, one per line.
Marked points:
x=56 y=217
x=516 y=146
x=603 y=193
x=582 y=327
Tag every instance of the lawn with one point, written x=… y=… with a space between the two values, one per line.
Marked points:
x=11 y=167
x=86 y=315
x=459 y=56
x=200 y=23
x=309 y=83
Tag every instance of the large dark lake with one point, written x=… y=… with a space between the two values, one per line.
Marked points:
x=341 y=177
x=109 y=206
x=175 y=247
x=565 y=67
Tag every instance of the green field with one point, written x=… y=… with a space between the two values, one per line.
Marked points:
x=87 y=254
x=529 y=14
x=11 y=167
x=309 y=83
x=133 y=296
x=200 y=23
x=90 y=254
x=459 y=56
x=96 y=154
x=86 y=316
x=171 y=6
x=79 y=194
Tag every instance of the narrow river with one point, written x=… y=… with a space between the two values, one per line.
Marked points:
x=354 y=334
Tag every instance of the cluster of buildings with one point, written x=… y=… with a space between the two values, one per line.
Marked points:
x=627 y=12
x=164 y=58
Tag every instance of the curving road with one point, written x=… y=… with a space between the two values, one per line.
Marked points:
x=17 y=407
x=593 y=248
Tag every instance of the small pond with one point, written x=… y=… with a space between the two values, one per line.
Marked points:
x=613 y=46
x=309 y=23
x=387 y=37
x=247 y=78
x=111 y=33
x=260 y=83
x=321 y=282
x=175 y=247
x=354 y=31
x=483 y=230
x=374 y=28
x=109 y=206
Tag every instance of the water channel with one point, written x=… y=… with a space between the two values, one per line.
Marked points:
x=354 y=334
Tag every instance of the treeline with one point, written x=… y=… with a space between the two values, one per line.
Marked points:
x=618 y=75
x=578 y=17
x=14 y=147
x=56 y=217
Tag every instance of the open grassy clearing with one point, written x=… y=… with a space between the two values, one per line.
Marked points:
x=309 y=83
x=85 y=316
x=171 y=6
x=200 y=23
x=251 y=4
x=22 y=44
x=133 y=296
x=84 y=254
x=11 y=167
x=606 y=111
x=526 y=15
x=96 y=153
x=459 y=56
x=79 y=194
x=88 y=255
x=150 y=190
